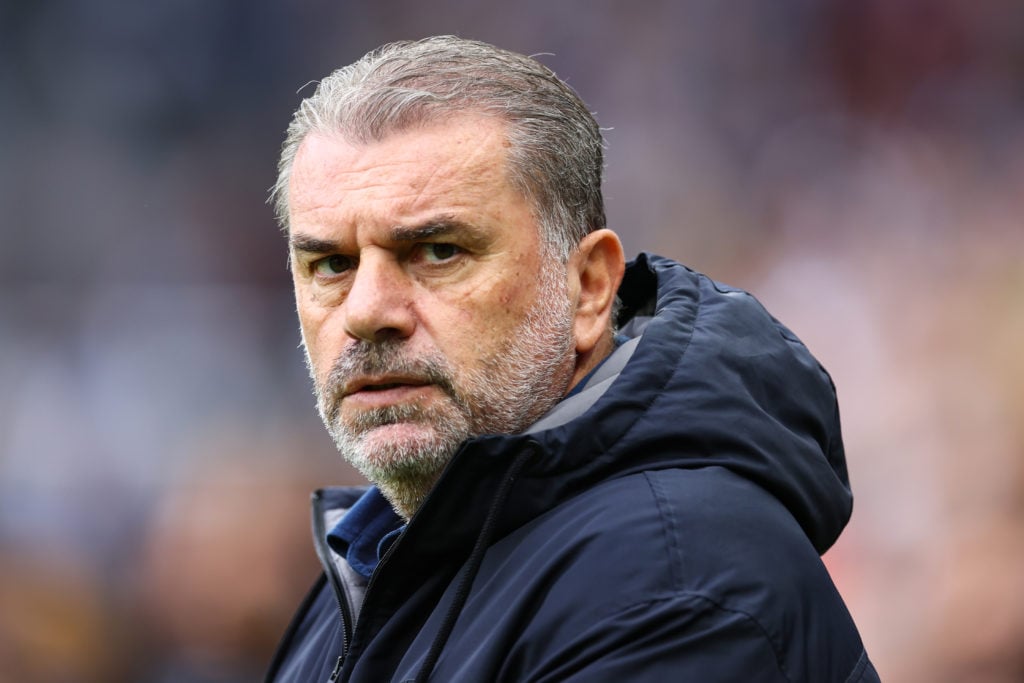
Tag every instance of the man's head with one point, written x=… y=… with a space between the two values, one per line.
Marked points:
x=555 y=146
x=449 y=282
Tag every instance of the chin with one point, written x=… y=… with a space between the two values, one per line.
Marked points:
x=404 y=450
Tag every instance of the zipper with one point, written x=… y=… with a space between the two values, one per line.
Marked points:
x=288 y=639
x=383 y=559
x=390 y=551
x=337 y=669
x=344 y=611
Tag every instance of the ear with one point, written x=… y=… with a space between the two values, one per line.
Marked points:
x=595 y=272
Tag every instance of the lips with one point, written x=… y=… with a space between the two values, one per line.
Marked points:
x=381 y=387
x=384 y=393
x=375 y=384
x=376 y=391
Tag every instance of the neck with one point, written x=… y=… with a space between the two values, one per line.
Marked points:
x=585 y=362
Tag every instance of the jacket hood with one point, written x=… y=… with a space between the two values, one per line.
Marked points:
x=710 y=379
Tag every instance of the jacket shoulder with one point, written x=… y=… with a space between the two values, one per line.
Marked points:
x=693 y=562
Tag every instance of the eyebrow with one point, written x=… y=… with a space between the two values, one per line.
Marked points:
x=312 y=245
x=435 y=227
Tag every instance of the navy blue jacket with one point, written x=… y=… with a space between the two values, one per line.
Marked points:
x=662 y=524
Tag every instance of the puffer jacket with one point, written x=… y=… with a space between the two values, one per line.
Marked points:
x=663 y=524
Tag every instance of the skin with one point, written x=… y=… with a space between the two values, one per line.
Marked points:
x=420 y=241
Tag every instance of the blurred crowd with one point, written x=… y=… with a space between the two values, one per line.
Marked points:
x=857 y=164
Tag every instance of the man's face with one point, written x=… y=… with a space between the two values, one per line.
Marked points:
x=429 y=310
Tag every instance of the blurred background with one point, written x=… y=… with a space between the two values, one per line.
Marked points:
x=857 y=164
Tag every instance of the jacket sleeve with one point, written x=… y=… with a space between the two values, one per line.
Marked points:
x=683 y=638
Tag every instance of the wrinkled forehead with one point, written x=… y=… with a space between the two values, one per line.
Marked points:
x=464 y=141
x=454 y=168
x=467 y=151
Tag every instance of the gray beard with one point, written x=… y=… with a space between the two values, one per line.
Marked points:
x=520 y=381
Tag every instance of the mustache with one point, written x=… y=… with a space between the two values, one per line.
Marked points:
x=385 y=358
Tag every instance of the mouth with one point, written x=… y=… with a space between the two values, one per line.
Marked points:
x=382 y=387
x=380 y=384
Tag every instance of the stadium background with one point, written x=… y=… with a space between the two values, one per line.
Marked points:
x=857 y=164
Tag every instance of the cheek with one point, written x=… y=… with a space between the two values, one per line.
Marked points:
x=316 y=338
x=516 y=297
x=496 y=309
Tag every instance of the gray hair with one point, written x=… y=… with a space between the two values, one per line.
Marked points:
x=555 y=154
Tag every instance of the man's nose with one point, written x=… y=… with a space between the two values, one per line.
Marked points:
x=378 y=305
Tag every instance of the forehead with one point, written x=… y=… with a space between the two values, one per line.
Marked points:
x=462 y=161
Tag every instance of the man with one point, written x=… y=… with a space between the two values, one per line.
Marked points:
x=567 y=487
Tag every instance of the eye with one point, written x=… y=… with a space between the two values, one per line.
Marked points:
x=329 y=266
x=436 y=252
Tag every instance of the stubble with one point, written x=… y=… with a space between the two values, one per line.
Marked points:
x=404 y=448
